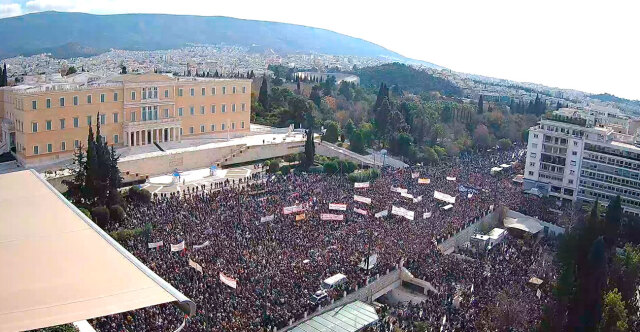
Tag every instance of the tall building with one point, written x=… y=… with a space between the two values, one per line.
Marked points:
x=573 y=160
x=45 y=122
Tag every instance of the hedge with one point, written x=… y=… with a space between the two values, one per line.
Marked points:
x=101 y=216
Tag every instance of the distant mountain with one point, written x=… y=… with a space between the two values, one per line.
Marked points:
x=606 y=97
x=70 y=50
x=32 y=33
x=406 y=78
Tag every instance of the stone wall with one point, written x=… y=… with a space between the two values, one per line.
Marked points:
x=489 y=221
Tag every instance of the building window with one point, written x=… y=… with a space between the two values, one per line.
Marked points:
x=570 y=181
x=573 y=163
x=572 y=172
x=133 y=116
x=34 y=105
x=213 y=127
x=222 y=126
x=202 y=128
x=534 y=145
x=213 y=109
x=75 y=100
x=166 y=93
x=201 y=109
x=48 y=102
x=48 y=124
x=244 y=89
x=144 y=114
x=88 y=120
x=224 y=108
x=192 y=92
x=233 y=108
x=574 y=153
x=62 y=102
x=575 y=143
x=49 y=147
x=76 y=122
x=242 y=125
x=180 y=92
x=533 y=155
x=76 y=144
x=531 y=173
x=243 y=107
x=63 y=146
x=224 y=90
x=191 y=110
x=115 y=117
x=115 y=139
x=233 y=90
x=166 y=112
x=102 y=97
x=180 y=111
x=34 y=127
x=213 y=91
x=62 y=124
x=535 y=135
x=115 y=96
x=36 y=149
x=204 y=91
x=532 y=164
x=89 y=99
x=190 y=130
x=180 y=131
x=233 y=126
x=133 y=95
x=103 y=119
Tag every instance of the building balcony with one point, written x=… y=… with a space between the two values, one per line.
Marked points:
x=152 y=124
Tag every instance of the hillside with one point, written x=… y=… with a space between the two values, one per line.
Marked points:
x=407 y=78
x=32 y=33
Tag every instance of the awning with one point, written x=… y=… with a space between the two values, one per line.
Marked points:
x=348 y=318
x=59 y=267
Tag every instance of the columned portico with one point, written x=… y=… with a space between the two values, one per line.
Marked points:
x=148 y=132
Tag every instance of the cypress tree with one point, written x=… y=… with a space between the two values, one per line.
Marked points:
x=309 y=149
x=480 y=105
x=263 y=96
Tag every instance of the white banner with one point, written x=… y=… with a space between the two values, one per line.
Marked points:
x=415 y=175
x=451 y=178
x=267 y=218
x=407 y=195
x=206 y=243
x=399 y=190
x=360 y=185
x=362 y=199
x=155 y=244
x=402 y=212
x=338 y=206
x=195 y=266
x=382 y=213
x=291 y=209
x=178 y=247
x=426 y=215
x=417 y=199
x=424 y=181
x=360 y=211
x=329 y=216
x=443 y=197
x=233 y=283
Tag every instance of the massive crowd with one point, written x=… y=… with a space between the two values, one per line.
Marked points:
x=279 y=263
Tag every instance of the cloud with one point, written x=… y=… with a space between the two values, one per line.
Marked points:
x=10 y=9
x=43 y=5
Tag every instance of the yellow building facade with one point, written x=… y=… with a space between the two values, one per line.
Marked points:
x=47 y=122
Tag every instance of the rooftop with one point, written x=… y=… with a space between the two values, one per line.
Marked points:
x=348 y=318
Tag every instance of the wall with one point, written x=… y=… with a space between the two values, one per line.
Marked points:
x=488 y=221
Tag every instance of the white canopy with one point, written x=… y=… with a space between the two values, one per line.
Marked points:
x=528 y=225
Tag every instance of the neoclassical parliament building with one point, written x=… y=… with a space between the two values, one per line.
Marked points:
x=45 y=122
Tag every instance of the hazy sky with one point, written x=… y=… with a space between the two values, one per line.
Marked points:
x=586 y=45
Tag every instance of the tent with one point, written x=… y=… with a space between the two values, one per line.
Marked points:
x=529 y=225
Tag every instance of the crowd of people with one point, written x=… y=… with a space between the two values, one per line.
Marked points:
x=280 y=262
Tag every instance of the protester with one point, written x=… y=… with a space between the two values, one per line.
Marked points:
x=279 y=263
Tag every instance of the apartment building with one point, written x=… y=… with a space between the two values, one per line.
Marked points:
x=45 y=122
x=571 y=160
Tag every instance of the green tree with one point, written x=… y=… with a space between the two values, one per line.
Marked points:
x=330 y=167
x=349 y=128
x=263 y=96
x=345 y=90
x=480 y=105
x=331 y=134
x=504 y=143
x=430 y=156
x=71 y=70
x=612 y=220
x=382 y=118
x=315 y=95
x=309 y=149
x=123 y=70
x=614 y=315
x=481 y=136
x=329 y=85
x=357 y=142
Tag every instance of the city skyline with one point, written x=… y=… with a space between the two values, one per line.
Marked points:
x=556 y=45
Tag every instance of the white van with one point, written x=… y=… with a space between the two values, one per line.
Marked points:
x=334 y=281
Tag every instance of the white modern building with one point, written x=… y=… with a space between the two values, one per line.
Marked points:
x=570 y=158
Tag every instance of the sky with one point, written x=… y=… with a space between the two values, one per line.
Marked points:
x=585 y=45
